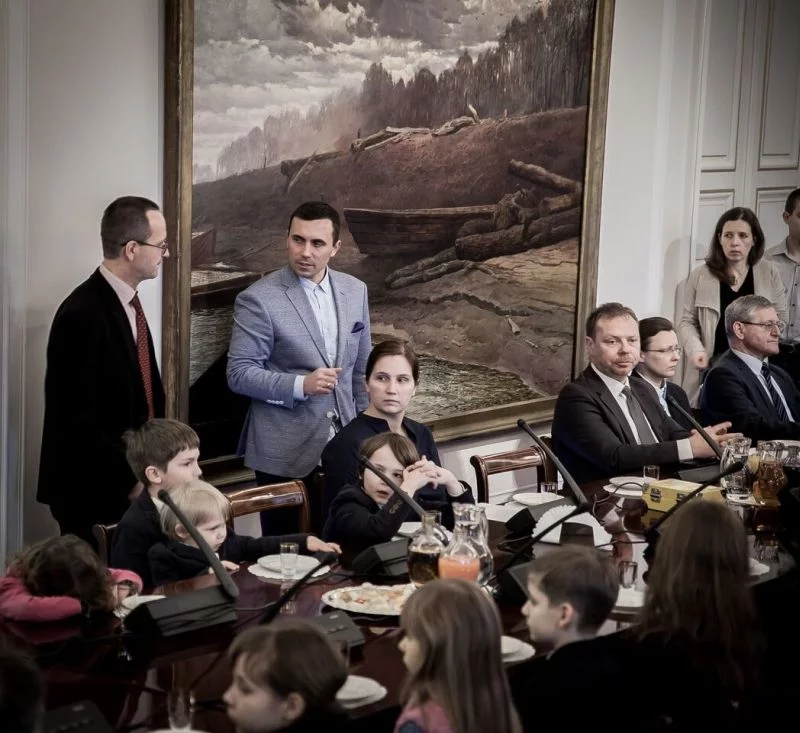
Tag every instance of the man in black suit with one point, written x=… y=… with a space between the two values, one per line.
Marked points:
x=659 y=360
x=606 y=424
x=102 y=377
x=760 y=400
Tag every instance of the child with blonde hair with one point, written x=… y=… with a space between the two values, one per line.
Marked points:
x=62 y=577
x=178 y=557
x=451 y=648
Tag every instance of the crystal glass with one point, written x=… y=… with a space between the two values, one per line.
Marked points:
x=424 y=552
x=737 y=485
x=548 y=487
x=289 y=552
x=628 y=572
x=179 y=709
x=771 y=477
x=653 y=473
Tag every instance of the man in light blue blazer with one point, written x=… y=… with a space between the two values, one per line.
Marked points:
x=299 y=348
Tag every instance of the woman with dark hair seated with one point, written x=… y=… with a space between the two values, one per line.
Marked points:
x=698 y=644
x=391 y=376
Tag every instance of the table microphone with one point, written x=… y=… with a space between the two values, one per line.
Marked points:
x=183 y=612
x=697 y=426
x=327 y=559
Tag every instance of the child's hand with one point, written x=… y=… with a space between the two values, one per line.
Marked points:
x=231 y=567
x=123 y=590
x=315 y=544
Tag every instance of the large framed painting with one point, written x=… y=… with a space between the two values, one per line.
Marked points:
x=462 y=141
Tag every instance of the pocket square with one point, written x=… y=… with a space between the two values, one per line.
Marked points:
x=357 y=326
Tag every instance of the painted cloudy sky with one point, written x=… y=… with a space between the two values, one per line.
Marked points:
x=254 y=58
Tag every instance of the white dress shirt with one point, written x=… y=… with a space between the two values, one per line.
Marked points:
x=615 y=386
x=754 y=364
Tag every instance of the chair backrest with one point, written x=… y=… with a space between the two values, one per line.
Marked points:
x=514 y=460
x=103 y=534
x=272 y=496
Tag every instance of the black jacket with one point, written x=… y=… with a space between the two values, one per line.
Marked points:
x=137 y=531
x=594 y=440
x=171 y=560
x=340 y=463
x=93 y=393
x=732 y=392
x=355 y=521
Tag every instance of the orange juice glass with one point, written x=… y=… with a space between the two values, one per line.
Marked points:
x=459 y=567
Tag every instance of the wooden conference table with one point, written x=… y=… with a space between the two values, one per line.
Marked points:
x=128 y=678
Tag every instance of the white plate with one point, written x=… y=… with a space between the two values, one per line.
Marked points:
x=357 y=688
x=510 y=646
x=409 y=529
x=273 y=562
x=630 y=598
x=371 y=700
x=638 y=480
x=629 y=492
x=757 y=568
x=260 y=572
x=376 y=600
x=526 y=651
x=535 y=498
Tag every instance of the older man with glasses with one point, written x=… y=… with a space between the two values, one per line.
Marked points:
x=759 y=399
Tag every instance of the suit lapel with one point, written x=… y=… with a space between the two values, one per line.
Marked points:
x=611 y=405
x=340 y=299
x=651 y=407
x=758 y=389
x=298 y=298
x=116 y=313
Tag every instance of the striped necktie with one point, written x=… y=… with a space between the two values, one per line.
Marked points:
x=143 y=354
x=766 y=372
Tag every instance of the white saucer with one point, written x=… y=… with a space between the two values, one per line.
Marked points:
x=510 y=646
x=535 y=498
x=260 y=572
x=371 y=700
x=629 y=598
x=409 y=529
x=273 y=563
x=757 y=568
x=356 y=689
x=631 y=492
x=525 y=651
x=748 y=501
x=640 y=481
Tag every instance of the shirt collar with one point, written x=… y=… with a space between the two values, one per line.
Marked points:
x=753 y=362
x=661 y=388
x=310 y=286
x=124 y=291
x=613 y=385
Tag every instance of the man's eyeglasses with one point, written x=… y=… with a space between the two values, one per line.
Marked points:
x=164 y=246
x=677 y=350
x=768 y=325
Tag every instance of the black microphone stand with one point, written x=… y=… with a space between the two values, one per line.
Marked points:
x=697 y=426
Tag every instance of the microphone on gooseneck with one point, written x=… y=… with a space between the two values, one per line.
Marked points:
x=697 y=426
x=410 y=501
x=327 y=559
x=225 y=580
x=578 y=495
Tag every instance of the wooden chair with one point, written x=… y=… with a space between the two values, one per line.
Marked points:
x=273 y=496
x=103 y=533
x=514 y=460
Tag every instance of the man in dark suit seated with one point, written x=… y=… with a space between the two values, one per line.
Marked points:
x=660 y=357
x=606 y=424
x=760 y=400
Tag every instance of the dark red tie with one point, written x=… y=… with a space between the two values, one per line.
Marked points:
x=143 y=353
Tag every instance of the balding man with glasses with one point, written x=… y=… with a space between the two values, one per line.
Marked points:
x=102 y=376
x=761 y=400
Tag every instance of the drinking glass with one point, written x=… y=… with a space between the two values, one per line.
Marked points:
x=289 y=552
x=179 y=709
x=652 y=473
x=548 y=487
x=628 y=572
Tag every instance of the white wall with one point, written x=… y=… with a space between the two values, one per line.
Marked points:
x=95 y=116
x=92 y=77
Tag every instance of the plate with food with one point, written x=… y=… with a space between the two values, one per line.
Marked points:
x=376 y=600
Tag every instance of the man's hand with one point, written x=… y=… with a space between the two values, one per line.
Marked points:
x=315 y=544
x=719 y=434
x=321 y=381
